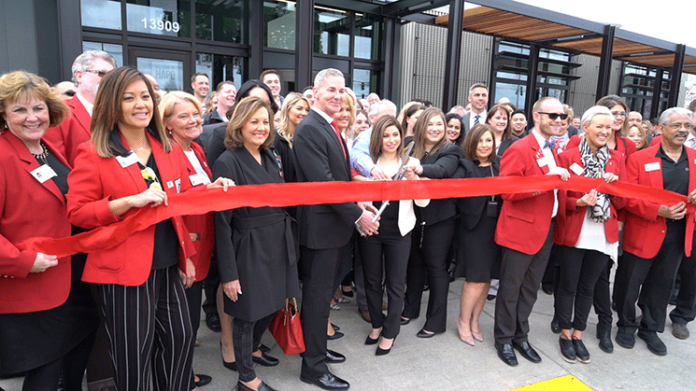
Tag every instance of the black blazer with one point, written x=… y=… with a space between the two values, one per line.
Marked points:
x=319 y=158
x=212 y=118
x=505 y=144
x=216 y=142
x=439 y=165
x=471 y=208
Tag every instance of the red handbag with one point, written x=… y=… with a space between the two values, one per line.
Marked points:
x=287 y=330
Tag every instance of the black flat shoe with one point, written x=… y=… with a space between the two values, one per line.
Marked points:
x=265 y=360
x=262 y=387
x=506 y=353
x=424 y=334
x=384 y=352
x=555 y=326
x=337 y=335
x=605 y=343
x=581 y=351
x=203 y=380
x=212 y=320
x=567 y=350
x=333 y=357
x=527 y=351
x=326 y=381
x=655 y=344
x=347 y=293
x=405 y=321
x=625 y=340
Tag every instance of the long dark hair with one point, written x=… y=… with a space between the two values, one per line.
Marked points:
x=376 y=140
x=244 y=91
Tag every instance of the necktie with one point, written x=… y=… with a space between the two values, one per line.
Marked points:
x=476 y=119
x=340 y=140
x=550 y=145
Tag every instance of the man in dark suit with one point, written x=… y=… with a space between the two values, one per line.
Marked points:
x=88 y=70
x=326 y=229
x=525 y=256
x=478 y=99
x=227 y=94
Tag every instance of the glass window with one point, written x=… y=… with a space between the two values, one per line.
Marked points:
x=115 y=50
x=514 y=92
x=513 y=48
x=365 y=82
x=279 y=25
x=170 y=18
x=93 y=12
x=510 y=61
x=168 y=73
x=511 y=75
x=368 y=31
x=220 y=20
x=554 y=92
x=220 y=68
x=331 y=32
x=561 y=81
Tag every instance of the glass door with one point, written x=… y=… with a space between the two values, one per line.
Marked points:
x=171 y=69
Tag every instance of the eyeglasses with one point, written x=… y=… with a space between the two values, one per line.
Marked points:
x=69 y=93
x=554 y=116
x=677 y=126
x=618 y=113
x=96 y=72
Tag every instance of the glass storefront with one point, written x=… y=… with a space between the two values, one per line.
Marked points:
x=332 y=32
x=169 y=18
x=279 y=19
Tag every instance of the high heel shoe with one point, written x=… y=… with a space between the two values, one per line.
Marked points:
x=467 y=339
x=232 y=366
x=371 y=341
x=477 y=336
x=384 y=352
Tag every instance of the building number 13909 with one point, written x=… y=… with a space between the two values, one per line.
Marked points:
x=161 y=25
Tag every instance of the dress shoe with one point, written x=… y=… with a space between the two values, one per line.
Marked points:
x=384 y=352
x=547 y=289
x=212 y=320
x=490 y=297
x=336 y=328
x=336 y=335
x=654 y=342
x=371 y=341
x=506 y=354
x=262 y=387
x=604 y=336
x=266 y=349
x=527 y=351
x=680 y=331
x=327 y=381
x=424 y=334
x=555 y=326
x=348 y=293
x=333 y=357
x=265 y=360
x=625 y=340
x=365 y=314
x=203 y=380
x=405 y=321
x=567 y=350
x=232 y=366
x=581 y=351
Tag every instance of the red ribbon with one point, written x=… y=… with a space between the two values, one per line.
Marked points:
x=290 y=194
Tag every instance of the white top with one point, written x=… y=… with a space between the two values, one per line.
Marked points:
x=202 y=176
x=88 y=106
x=592 y=237
x=549 y=161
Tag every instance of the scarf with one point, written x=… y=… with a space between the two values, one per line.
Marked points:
x=594 y=168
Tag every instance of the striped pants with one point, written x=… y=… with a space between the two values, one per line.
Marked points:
x=149 y=329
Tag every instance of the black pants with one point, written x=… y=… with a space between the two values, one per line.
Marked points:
x=580 y=270
x=648 y=281
x=318 y=269
x=194 y=296
x=685 y=311
x=436 y=241
x=149 y=329
x=395 y=252
x=520 y=276
x=602 y=298
x=210 y=286
x=71 y=366
x=247 y=338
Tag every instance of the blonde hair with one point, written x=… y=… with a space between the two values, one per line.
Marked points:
x=243 y=110
x=169 y=102
x=21 y=86
x=108 y=113
x=290 y=101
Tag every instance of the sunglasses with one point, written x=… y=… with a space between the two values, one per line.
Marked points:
x=554 y=116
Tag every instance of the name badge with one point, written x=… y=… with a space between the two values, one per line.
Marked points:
x=198 y=179
x=132 y=158
x=576 y=169
x=170 y=184
x=178 y=185
x=43 y=173
x=541 y=162
x=654 y=166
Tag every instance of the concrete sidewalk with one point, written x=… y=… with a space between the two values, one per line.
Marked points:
x=444 y=363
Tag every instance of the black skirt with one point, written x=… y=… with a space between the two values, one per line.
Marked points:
x=478 y=256
x=30 y=340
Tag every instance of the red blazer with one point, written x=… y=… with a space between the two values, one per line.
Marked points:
x=630 y=146
x=29 y=209
x=94 y=182
x=570 y=219
x=202 y=227
x=525 y=218
x=645 y=230
x=67 y=136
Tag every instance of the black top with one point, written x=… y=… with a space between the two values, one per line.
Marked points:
x=166 y=252
x=675 y=175
x=61 y=170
